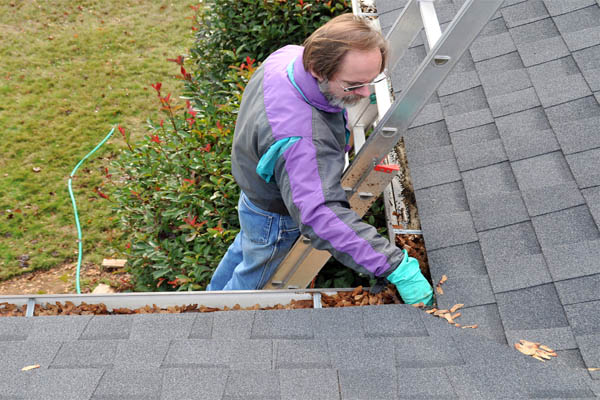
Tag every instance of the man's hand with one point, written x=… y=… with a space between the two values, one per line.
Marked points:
x=410 y=282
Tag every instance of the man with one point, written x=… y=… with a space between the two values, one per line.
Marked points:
x=288 y=158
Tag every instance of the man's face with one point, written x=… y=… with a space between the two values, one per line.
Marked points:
x=357 y=67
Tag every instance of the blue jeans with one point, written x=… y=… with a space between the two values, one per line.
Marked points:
x=264 y=240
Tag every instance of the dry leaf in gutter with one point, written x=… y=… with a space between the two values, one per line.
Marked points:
x=419 y=305
x=30 y=367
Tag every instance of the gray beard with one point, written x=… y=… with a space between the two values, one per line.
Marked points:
x=337 y=101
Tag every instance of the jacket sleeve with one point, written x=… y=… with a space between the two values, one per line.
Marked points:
x=309 y=177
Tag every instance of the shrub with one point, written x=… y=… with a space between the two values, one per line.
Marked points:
x=177 y=198
x=229 y=31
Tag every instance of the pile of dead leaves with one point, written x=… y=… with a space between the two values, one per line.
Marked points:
x=360 y=297
x=415 y=247
x=69 y=308
x=535 y=350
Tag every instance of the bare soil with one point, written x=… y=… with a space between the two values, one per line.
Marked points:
x=61 y=280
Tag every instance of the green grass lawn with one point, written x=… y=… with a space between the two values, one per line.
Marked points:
x=69 y=71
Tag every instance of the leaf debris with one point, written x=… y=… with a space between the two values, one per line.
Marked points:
x=438 y=287
x=535 y=350
x=30 y=367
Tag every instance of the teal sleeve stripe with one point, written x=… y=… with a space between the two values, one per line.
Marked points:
x=266 y=164
x=290 y=73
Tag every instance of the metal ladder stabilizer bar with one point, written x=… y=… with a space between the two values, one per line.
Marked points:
x=303 y=262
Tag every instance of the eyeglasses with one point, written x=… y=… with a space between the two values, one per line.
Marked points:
x=378 y=79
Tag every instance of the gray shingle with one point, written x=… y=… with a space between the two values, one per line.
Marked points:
x=431 y=155
x=558 y=81
x=284 y=324
x=420 y=383
x=586 y=167
x=85 y=354
x=589 y=346
x=448 y=230
x=564 y=227
x=423 y=352
x=570 y=358
x=479 y=155
x=545 y=170
x=407 y=66
x=250 y=384
x=511 y=241
x=557 y=7
x=476 y=349
x=555 y=338
x=427 y=136
x=462 y=260
x=524 y=13
x=592 y=197
x=575 y=124
x=512 y=273
x=158 y=326
x=539 y=42
x=513 y=102
x=385 y=6
x=485 y=47
x=573 y=260
x=491 y=179
x=108 y=327
x=579 y=290
x=469 y=120
x=468 y=290
x=188 y=384
x=510 y=380
x=503 y=75
x=432 y=112
x=140 y=354
x=479 y=134
x=580 y=28
x=12 y=384
x=228 y=325
x=301 y=354
x=335 y=322
x=18 y=354
x=442 y=199
x=202 y=328
x=487 y=319
x=58 y=327
x=584 y=318
x=353 y=353
x=588 y=61
x=71 y=384
x=368 y=384
x=434 y=174
x=462 y=77
x=303 y=384
x=526 y=134
x=129 y=384
x=497 y=209
x=552 y=198
x=202 y=353
x=517 y=313
x=392 y=320
x=464 y=102
x=15 y=328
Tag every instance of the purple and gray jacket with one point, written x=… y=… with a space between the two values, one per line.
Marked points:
x=306 y=177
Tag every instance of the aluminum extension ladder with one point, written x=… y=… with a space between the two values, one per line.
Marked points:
x=368 y=176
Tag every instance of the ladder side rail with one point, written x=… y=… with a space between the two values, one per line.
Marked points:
x=459 y=35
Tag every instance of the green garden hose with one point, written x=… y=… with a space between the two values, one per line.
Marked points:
x=79 y=237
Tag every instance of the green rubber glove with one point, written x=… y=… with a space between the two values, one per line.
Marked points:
x=410 y=282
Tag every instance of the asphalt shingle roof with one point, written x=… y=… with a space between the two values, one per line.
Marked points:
x=524 y=210
x=504 y=160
